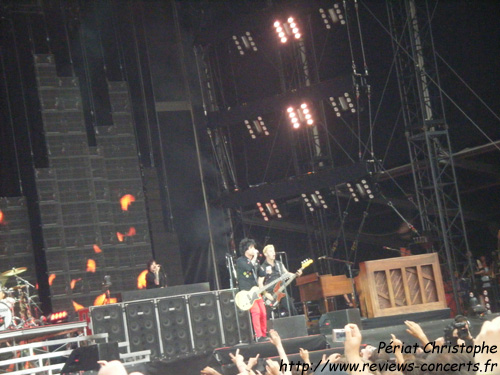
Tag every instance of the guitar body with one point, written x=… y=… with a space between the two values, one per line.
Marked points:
x=277 y=295
x=245 y=299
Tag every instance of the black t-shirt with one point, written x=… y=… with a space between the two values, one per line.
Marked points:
x=150 y=280
x=247 y=273
x=277 y=270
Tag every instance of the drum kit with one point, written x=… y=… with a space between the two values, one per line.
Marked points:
x=18 y=308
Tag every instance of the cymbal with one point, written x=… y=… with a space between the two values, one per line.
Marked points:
x=19 y=287
x=14 y=271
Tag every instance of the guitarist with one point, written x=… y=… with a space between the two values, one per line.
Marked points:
x=248 y=271
x=274 y=269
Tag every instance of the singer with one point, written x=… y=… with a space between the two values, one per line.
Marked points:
x=156 y=277
x=248 y=271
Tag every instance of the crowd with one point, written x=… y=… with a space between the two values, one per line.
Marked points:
x=458 y=354
x=455 y=353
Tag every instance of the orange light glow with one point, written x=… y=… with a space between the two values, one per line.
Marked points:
x=74 y=281
x=91 y=265
x=51 y=278
x=101 y=300
x=97 y=249
x=126 y=200
x=2 y=220
x=141 y=280
x=119 y=236
x=131 y=232
x=77 y=306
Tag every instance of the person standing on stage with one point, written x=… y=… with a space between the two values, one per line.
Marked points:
x=248 y=270
x=155 y=278
x=274 y=269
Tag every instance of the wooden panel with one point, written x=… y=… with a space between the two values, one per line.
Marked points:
x=313 y=287
x=400 y=285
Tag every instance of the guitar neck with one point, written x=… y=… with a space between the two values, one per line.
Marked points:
x=272 y=283
x=288 y=282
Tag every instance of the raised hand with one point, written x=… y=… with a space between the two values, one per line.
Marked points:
x=304 y=354
x=253 y=361
x=490 y=331
x=209 y=371
x=272 y=368
x=416 y=331
x=274 y=337
x=237 y=357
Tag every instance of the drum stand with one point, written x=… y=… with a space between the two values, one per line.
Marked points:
x=26 y=303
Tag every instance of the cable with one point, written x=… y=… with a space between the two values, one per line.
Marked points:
x=365 y=65
x=392 y=134
x=353 y=63
x=141 y=83
x=432 y=80
x=11 y=123
x=470 y=88
x=119 y=46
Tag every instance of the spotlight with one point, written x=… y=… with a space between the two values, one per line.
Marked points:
x=256 y=128
x=58 y=317
x=342 y=104
x=299 y=116
x=269 y=210
x=244 y=43
x=287 y=29
x=332 y=16
x=314 y=201
x=360 y=189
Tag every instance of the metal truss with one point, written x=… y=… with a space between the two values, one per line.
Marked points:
x=427 y=136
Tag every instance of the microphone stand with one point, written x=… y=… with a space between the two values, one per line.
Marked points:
x=286 y=289
x=232 y=278
x=164 y=277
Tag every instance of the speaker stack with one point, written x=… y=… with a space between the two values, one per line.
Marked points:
x=142 y=327
x=175 y=327
x=338 y=319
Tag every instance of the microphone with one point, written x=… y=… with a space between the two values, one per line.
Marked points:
x=390 y=248
x=322 y=257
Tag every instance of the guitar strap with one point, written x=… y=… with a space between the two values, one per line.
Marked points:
x=278 y=266
x=256 y=267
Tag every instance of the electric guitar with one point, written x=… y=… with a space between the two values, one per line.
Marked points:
x=245 y=299
x=277 y=293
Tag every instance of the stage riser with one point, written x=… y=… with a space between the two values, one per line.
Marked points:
x=289 y=327
x=175 y=327
x=339 y=319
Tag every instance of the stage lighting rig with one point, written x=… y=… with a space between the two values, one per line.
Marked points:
x=332 y=16
x=286 y=30
x=256 y=127
x=300 y=115
x=269 y=210
x=244 y=43
x=314 y=200
x=360 y=189
x=342 y=104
